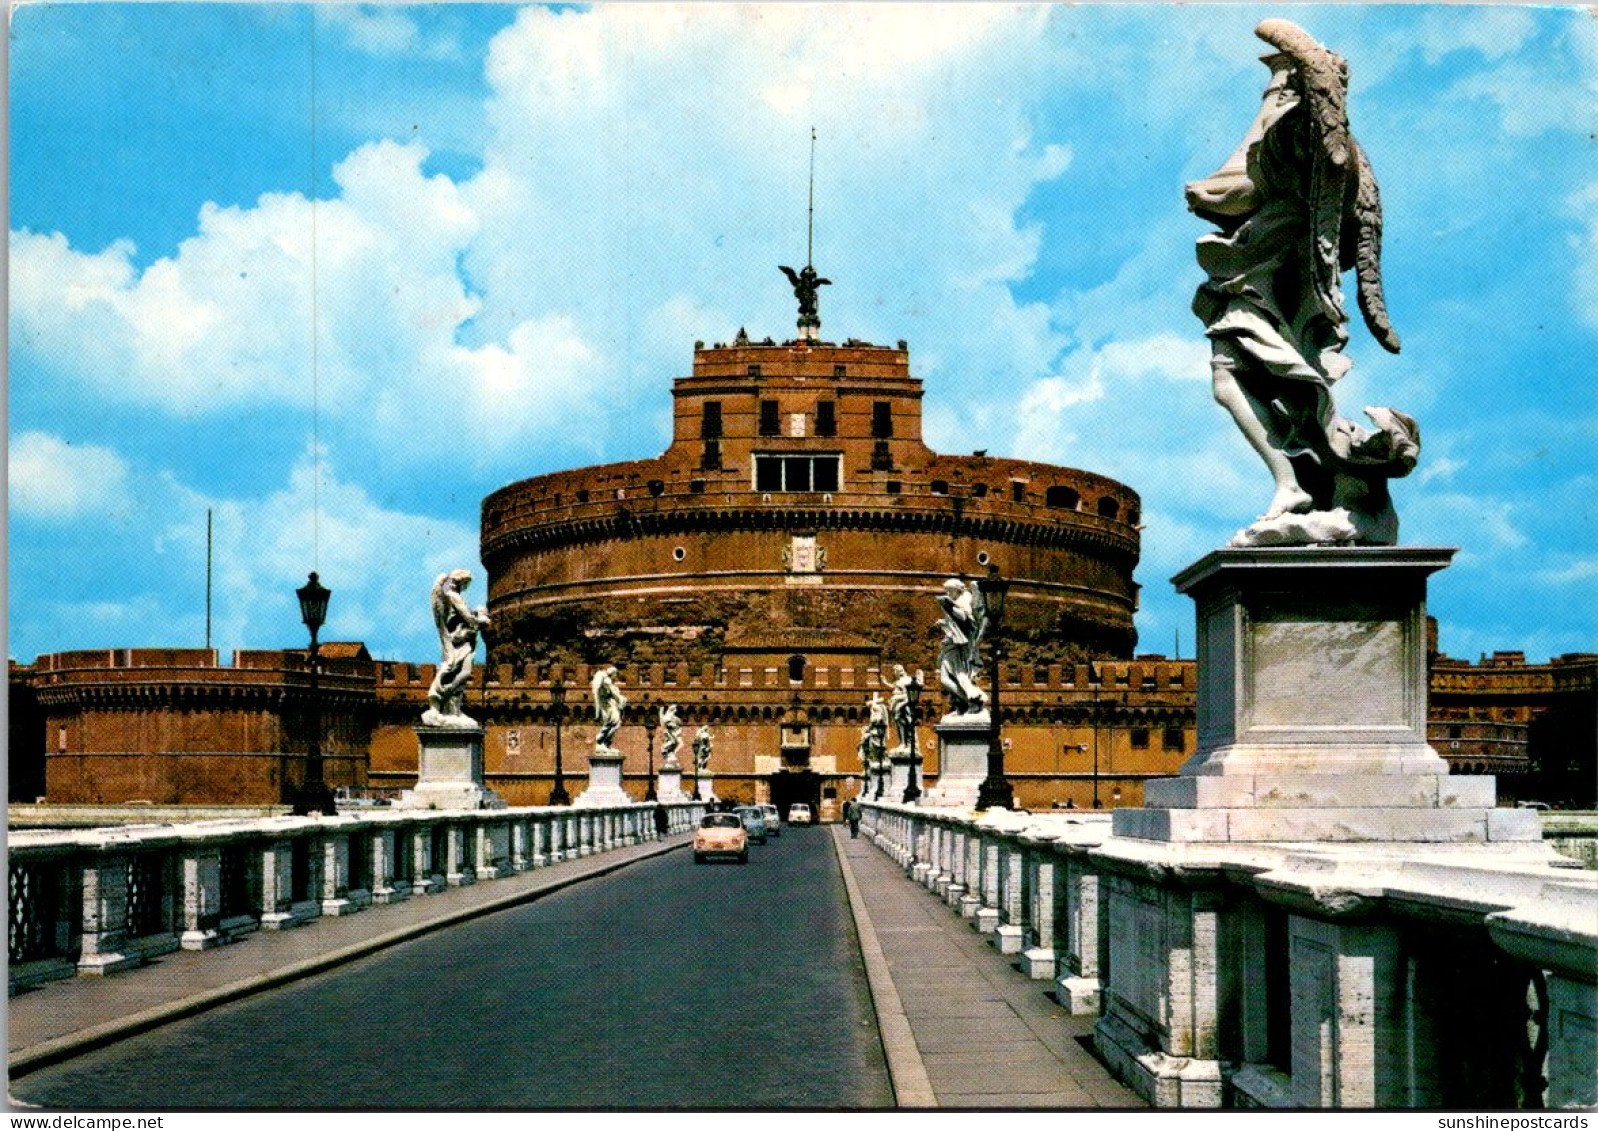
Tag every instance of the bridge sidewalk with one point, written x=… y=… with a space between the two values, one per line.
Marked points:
x=60 y=1019
x=962 y=1026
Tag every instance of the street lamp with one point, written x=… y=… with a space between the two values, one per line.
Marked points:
x=912 y=690
x=650 y=722
x=557 y=704
x=995 y=792
x=314 y=796
x=1096 y=804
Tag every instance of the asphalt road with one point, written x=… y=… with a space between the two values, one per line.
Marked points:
x=665 y=985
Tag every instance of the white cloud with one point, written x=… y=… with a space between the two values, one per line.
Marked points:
x=386 y=31
x=378 y=561
x=54 y=480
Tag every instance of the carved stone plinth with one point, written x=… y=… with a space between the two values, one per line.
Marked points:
x=963 y=742
x=669 y=786
x=898 y=775
x=1312 y=708
x=604 y=781
x=450 y=771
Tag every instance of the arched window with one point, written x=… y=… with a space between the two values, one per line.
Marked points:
x=1064 y=497
x=1108 y=507
x=796 y=668
x=940 y=486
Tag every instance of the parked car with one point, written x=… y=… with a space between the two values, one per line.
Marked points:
x=721 y=834
x=754 y=822
x=773 y=819
x=800 y=814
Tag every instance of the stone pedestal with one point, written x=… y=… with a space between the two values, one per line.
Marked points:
x=1312 y=708
x=604 y=781
x=449 y=771
x=898 y=775
x=1311 y=729
x=668 y=788
x=963 y=742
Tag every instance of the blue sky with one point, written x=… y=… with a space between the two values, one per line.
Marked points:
x=521 y=219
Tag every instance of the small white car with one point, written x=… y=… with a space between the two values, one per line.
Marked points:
x=799 y=814
x=773 y=819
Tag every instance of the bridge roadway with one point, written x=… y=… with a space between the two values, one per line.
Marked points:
x=657 y=985
x=664 y=984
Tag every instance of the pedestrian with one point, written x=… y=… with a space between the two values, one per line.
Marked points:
x=851 y=813
x=661 y=822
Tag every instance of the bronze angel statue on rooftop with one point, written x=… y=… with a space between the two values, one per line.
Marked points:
x=1295 y=206
x=805 y=285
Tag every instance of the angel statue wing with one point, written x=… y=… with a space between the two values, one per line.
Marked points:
x=1345 y=228
x=793 y=276
x=979 y=614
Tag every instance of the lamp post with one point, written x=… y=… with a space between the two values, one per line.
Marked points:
x=1079 y=747
x=912 y=790
x=1096 y=804
x=650 y=722
x=995 y=792
x=557 y=703
x=314 y=796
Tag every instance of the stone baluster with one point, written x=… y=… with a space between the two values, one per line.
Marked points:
x=334 y=890
x=926 y=865
x=1079 y=988
x=424 y=867
x=1557 y=934
x=986 y=919
x=971 y=899
x=521 y=845
x=105 y=914
x=388 y=844
x=201 y=866
x=1009 y=934
x=1038 y=960
x=457 y=872
x=959 y=851
x=482 y=834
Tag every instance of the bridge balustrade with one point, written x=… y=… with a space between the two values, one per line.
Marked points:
x=1306 y=976
x=98 y=901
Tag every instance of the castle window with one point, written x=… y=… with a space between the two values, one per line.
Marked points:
x=710 y=422
x=882 y=420
x=678 y=553
x=1108 y=507
x=711 y=460
x=979 y=490
x=582 y=494
x=1064 y=497
x=894 y=487
x=796 y=473
x=1140 y=738
x=657 y=487
x=770 y=424
x=1173 y=740
x=754 y=371
x=796 y=668
x=826 y=419
x=1132 y=516
x=1017 y=490
x=940 y=486
x=881 y=459
x=696 y=486
x=840 y=371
